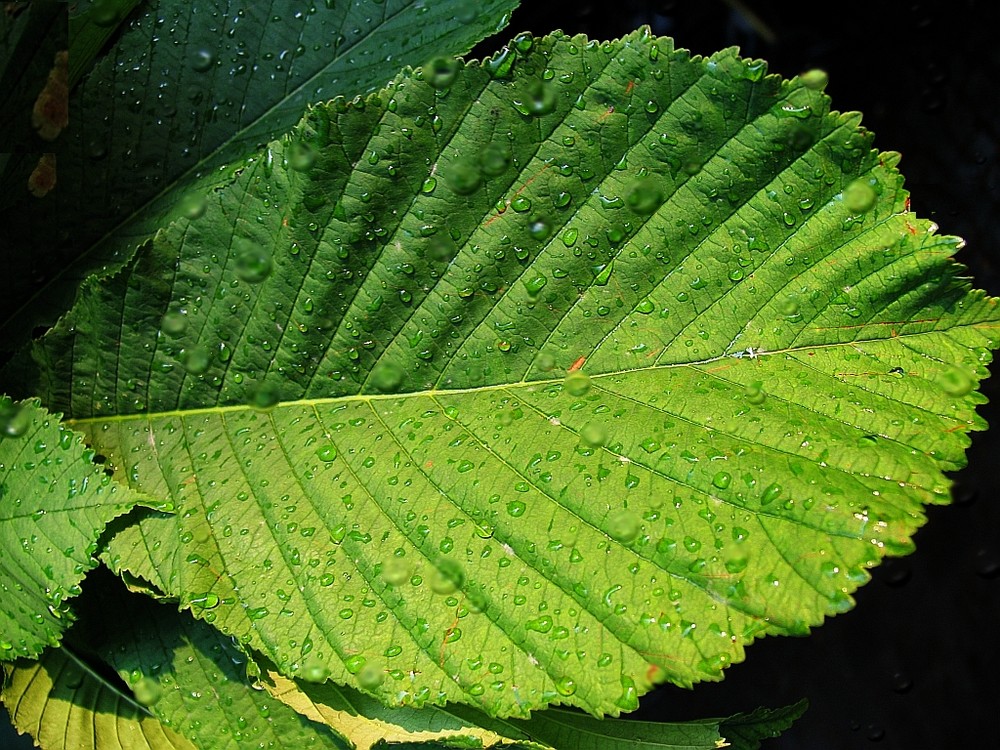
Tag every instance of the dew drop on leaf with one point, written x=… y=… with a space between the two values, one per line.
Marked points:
x=14 y=419
x=516 y=508
x=147 y=691
x=623 y=526
x=721 y=480
x=327 y=453
x=859 y=196
x=264 y=397
x=441 y=72
x=253 y=262
x=566 y=686
x=203 y=60
x=577 y=383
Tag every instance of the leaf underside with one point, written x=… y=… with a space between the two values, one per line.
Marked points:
x=64 y=705
x=534 y=381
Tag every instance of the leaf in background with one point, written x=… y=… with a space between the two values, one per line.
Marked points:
x=65 y=705
x=187 y=88
x=29 y=40
x=54 y=504
x=745 y=731
x=537 y=381
x=91 y=24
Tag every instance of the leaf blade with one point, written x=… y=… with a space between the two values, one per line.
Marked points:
x=580 y=500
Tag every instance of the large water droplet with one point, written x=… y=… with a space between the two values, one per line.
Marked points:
x=147 y=691
x=253 y=262
x=441 y=72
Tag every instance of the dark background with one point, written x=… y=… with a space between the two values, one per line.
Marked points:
x=916 y=664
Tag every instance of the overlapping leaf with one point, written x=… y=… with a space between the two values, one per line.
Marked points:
x=537 y=381
x=54 y=504
x=65 y=705
x=187 y=88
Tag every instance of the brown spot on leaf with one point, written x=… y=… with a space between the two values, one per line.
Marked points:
x=51 y=112
x=43 y=178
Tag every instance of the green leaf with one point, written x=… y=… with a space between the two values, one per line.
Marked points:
x=539 y=381
x=745 y=731
x=54 y=504
x=222 y=80
x=194 y=680
x=65 y=705
x=91 y=24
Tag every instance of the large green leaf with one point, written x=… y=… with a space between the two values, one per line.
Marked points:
x=54 y=504
x=187 y=88
x=65 y=705
x=537 y=381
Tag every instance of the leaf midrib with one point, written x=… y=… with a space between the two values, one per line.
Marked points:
x=430 y=393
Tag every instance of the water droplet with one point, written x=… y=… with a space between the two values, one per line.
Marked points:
x=370 y=677
x=722 y=479
x=516 y=508
x=193 y=206
x=327 y=453
x=770 y=494
x=448 y=577
x=645 y=196
x=859 y=196
x=253 y=262
x=623 y=526
x=646 y=306
x=441 y=72
x=755 y=393
x=14 y=420
x=540 y=229
x=196 y=360
x=569 y=237
x=147 y=691
x=203 y=60
x=315 y=671
x=577 y=383
x=566 y=686
x=387 y=377
x=502 y=65
x=104 y=12
x=956 y=382
x=815 y=79
x=494 y=159
x=629 y=699
x=463 y=177
x=429 y=184
x=535 y=284
x=264 y=397
x=594 y=434
x=205 y=601
x=173 y=323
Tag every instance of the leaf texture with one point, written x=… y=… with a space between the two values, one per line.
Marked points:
x=54 y=504
x=187 y=88
x=534 y=381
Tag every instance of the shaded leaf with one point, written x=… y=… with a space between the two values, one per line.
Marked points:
x=65 y=705
x=187 y=88
x=540 y=381
x=745 y=731
x=193 y=679
x=54 y=504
